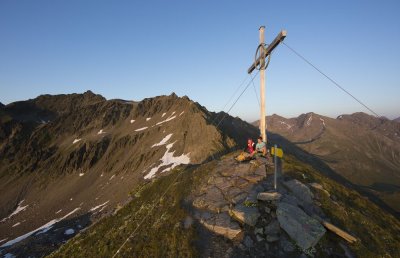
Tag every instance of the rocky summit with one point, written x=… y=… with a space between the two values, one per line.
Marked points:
x=82 y=176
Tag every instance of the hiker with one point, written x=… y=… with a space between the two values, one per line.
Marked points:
x=250 y=146
x=261 y=147
x=248 y=152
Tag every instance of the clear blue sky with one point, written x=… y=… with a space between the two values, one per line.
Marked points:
x=139 y=49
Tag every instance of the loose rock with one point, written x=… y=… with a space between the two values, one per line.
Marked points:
x=269 y=196
x=222 y=225
x=300 y=190
x=272 y=238
x=246 y=215
x=303 y=229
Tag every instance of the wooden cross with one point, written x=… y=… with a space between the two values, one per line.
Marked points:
x=260 y=62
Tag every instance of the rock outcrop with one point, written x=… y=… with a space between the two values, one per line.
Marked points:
x=231 y=189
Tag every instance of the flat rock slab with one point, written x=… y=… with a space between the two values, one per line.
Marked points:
x=300 y=190
x=303 y=229
x=245 y=215
x=221 y=224
x=269 y=196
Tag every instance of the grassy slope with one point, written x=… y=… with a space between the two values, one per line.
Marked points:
x=378 y=232
x=162 y=233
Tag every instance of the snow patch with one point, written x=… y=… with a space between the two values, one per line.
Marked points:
x=98 y=206
x=166 y=120
x=287 y=125
x=147 y=119
x=323 y=121
x=76 y=140
x=16 y=224
x=69 y=231
x=101 y=131
x=58 y=211
x=132 y=121
x=43 y=229
x=111 y=177
x=309 y=120
x=16 y=211
x=163 y=141
x=2 y=240
x=181 y=113
x=141 y=129
x=81 y=174
x=163 y=114
x=9 y=255
x=169 y=160
x=173 y=113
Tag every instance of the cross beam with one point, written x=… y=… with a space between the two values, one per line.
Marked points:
x=260 y=61
x=281 y=36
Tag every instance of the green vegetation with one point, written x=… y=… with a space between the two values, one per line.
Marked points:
x=162 y=233
x=378 y=233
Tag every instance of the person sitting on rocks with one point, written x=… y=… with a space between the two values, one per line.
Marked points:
x=248 y=152
x=250 y=146
x=261 y=148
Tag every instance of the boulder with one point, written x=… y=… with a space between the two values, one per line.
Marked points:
x=269 y=196
x=290 y=199
x=272 y=238
x=245 y=215
x=222 y=225
x=303 y=229
x=258 y=231
x=286 y=246
x=300 y=190
x=272 y=228
x=248 y=242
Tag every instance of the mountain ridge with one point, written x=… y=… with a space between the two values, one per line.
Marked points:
x=361 y=148
x=88 y=151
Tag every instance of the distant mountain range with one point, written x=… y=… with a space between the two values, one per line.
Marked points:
x=362 y=149
x=397 y=119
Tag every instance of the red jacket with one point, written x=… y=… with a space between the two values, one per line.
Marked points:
x=250 y=147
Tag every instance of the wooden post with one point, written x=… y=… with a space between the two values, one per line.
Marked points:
x=262 y=86
x=276 y=167
x=260 y=62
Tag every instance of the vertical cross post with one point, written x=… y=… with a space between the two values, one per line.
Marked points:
x=259 y=63
x=262 y=86
x=276 y=167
